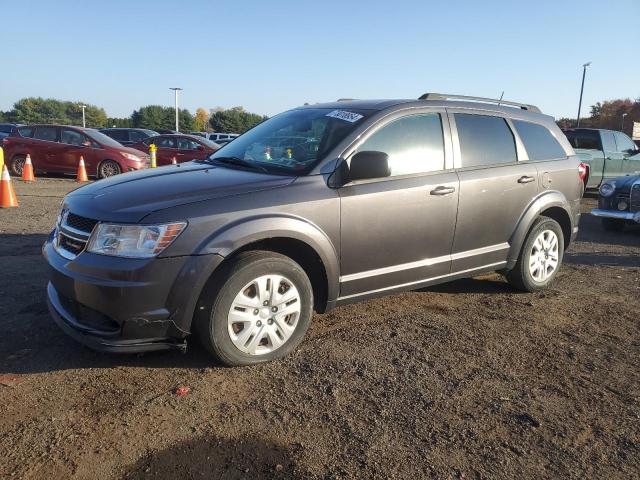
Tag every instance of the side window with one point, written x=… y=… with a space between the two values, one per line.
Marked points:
x=485 y=140
x=587 y=139
x=49 y=134
x=538 y=141
x=187 y=144
x=414 y=144
x=136 y=136
x=119 y=135
x=165 y=142
x=148 y=141
x=71 y=137
x=623 y=142
x=608 y=143
x=26 y=132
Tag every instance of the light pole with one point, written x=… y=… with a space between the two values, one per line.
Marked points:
x=622 y=126
x=84 y=123
x=584 y=73
x=176 y=90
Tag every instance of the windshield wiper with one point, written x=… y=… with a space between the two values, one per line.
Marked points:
x=239 y=162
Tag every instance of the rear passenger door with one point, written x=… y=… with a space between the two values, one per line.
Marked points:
x=166 y=149
x=495 y=188
x=47 y=150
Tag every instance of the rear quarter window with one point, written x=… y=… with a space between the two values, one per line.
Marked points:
x=538 y=141
x=485 y=140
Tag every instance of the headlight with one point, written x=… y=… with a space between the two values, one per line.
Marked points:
x=134 y=241
x=131 y=156
x=607 y=189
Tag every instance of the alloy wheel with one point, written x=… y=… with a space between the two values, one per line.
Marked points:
x=544 y=256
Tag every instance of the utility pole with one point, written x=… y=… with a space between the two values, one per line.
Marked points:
x=584 y=73
x=176 y=90
x=622 y=126
x=84 y=123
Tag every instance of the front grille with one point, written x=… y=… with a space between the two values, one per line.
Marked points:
x=73 y=234
x=80 y=223
x=634 y=197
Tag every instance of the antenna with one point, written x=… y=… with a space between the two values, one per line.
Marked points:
x=501 y=95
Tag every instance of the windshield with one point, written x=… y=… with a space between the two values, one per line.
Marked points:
x=209 y=143
x=102 y=138
x=294 y=141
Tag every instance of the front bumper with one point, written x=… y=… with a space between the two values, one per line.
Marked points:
x=126 y=305
x=629 y=216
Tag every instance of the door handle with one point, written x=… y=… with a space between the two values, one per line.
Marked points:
x=526 y=179
x=442 y=190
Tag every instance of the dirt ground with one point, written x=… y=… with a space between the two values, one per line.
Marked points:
x=465 y=380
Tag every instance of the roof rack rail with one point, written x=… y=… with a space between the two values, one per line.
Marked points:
x=345 y=99
x=444 y=96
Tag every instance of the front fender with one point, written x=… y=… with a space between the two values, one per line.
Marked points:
x=542 y=202
x=233 y=236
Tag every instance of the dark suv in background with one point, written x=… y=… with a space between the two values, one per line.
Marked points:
x=320 y=206
x=128 y=136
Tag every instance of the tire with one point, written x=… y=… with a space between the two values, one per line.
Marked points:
x=613 y=224
x=269 y=335
x=108 y=168
x=17 y=164
x=530 y=275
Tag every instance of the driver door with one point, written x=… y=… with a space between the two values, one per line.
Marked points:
x=398 y=230
x=630 y=154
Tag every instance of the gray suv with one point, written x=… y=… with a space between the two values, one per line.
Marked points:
x=320 y=206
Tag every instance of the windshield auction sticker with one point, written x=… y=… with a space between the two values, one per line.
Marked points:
x=346 y=116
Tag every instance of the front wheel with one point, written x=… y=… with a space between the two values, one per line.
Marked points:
x=540 y=257
x=257 y=309
x=109 y=168
x=17 y=165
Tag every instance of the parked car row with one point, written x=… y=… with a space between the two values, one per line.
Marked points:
x=58 y=148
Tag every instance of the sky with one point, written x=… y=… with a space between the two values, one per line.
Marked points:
x=269 y=56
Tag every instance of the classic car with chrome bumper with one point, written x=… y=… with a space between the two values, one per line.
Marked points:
x=619 y=202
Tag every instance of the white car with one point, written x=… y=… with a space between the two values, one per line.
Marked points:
x=214 y=137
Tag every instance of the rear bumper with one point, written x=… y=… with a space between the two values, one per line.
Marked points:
x=615 y=214
x=126 y=305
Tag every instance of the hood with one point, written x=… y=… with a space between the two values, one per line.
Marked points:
x=623 y=184
x=132 y=150
x=131 y=196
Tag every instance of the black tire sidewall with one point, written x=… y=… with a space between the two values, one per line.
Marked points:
x=543 y=224
x=245 y=269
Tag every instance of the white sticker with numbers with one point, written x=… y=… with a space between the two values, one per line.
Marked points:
x=344 y=115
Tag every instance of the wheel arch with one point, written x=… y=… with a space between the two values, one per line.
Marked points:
x=551 y=204
x=293 y=237
x=122 y=169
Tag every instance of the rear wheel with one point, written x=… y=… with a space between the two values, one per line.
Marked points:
x=613 y=224
x=257 y=309
x=109 y=168
x=540 y=257
x=17 y=165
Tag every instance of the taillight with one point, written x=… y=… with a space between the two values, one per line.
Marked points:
x=582 y=171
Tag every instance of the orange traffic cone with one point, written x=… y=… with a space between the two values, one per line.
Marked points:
x=174 y=161
x=82 y=173
x=27 y=170
x=7 y=195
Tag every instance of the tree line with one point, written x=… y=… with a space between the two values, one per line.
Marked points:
x=618 y=114
x=153 y=117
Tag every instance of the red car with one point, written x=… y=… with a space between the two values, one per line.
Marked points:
x=183 y=147
x=58 y=148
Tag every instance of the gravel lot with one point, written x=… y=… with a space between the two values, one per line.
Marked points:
x=465 y=380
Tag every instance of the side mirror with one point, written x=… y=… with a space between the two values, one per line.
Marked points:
x=368 y=164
